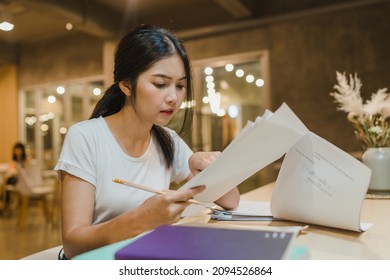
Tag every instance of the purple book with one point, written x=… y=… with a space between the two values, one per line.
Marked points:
x=208 y=243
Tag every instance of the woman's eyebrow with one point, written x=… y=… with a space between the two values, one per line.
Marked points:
x=168 y=77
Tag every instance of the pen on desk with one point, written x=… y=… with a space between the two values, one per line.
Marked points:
x=149 y=189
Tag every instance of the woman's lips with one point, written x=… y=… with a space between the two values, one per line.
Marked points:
x=167 y=112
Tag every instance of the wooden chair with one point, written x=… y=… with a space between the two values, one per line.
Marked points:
x=8 y=199
x=30 y=188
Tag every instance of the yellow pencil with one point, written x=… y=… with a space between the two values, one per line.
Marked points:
x=149 y=189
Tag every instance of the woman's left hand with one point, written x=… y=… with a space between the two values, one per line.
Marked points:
x=200 y=160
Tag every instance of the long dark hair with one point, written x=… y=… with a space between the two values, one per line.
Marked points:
x=137 y=52
x=20 y=146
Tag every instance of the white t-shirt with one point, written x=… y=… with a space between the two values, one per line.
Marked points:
x=91 y=153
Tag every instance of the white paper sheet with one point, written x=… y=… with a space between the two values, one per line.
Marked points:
x=259 y=144
x=253 y=208
x=320 y=184
x=248 y=210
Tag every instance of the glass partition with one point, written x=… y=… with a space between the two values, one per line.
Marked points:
x=230 y=91
x=49 y=110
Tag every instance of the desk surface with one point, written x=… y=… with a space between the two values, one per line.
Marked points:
x=336 y=244
x=323 y=243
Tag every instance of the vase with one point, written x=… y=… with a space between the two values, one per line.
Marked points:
x=378 y=160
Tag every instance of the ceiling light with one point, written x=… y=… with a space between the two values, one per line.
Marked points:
x=215 y=102
x=233 y=111
x=44 y=127
x=209 y=79
x=51 y=99
x=6 y=26
x=188 y=104
x=250 y=78
x=259 y=82
x=30 y=120
x=60 y=90
x=221 y=113
x=69 y=26
x=208 y=70
x=97 y=91
x=63 y=130
x=210 y=91
x=240 y=73
x=229 y=67
x=210 y=85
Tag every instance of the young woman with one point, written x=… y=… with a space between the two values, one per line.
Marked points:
x=126 y=138
x=19 y=157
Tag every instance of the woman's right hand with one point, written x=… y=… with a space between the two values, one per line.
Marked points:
x=167 y=208
x=80 y=235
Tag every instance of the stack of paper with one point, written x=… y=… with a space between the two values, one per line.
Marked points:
x=318 y=183
x=256 y=146
x=247 y=211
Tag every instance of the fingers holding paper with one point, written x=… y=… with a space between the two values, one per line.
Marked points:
x=200 y=160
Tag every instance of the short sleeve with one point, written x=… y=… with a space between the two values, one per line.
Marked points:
x=77 y=154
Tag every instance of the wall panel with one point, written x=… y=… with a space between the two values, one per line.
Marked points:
x=8 y=110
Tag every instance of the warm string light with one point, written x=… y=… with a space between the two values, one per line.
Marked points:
x=60 y=90
x=6 y=26
x=69 y=26
x=213 y=97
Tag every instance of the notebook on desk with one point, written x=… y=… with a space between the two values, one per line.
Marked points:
x=208 y=243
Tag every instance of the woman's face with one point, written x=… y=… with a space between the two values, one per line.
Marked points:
x=161 y=90
x=18 y=152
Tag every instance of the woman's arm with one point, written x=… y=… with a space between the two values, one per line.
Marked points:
x=229 y=200
x=11 y=170
x=80 y=235
x=199 y=161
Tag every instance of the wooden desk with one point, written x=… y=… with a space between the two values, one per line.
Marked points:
x=323 y=243
x=326 y=243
